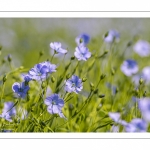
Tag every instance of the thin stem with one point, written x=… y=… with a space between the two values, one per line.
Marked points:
x=53 y=56
x=75 y=68
x=2 y=93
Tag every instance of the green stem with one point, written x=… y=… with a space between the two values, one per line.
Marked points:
x=53 y=56
x=75 y=68
x=3 y=87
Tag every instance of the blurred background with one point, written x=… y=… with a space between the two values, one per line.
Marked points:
x=24 y=38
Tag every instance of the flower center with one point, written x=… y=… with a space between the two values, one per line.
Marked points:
x=53 y=103
x=20 y=90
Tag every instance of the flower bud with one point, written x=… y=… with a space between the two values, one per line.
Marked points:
x=112 y=71
x=105 y=52
x=137 y=91
x=106 y=34
x=129 y=44
x=52 y=79
x=117 y=90
x=102 y=76
x=96 y=91
x=144 y=94
x=9 y=58
x=81 y=40
x=73 y=57
x=84 y=79
x=3 y=61
x=101 y=96
x=140 y=81
x=71 y=107
x=4 y=78
x=21 y=67
x=43 y=85
x=68 y=76
x=92 y=86
x=41 y=53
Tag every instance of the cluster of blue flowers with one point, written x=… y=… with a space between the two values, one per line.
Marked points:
x=54 y=102
x=40 y=72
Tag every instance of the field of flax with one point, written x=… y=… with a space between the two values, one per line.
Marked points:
x=74 y=75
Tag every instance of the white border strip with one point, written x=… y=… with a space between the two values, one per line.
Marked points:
x=74 y=5
x=74 y=14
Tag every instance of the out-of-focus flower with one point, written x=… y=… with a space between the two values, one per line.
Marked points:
x=142 y=48
x=82 y=53
x=115 y=116
x=111 y=36
x=136 y=125
x=20 y=89
x=55 y=104
x=136 y=78
x=56 y=46
x=51 y=67
x=144 y=106
x=83 y=39
x=115 y=128
x=146 y=74
x=8 y=111
x=74 y=84
x=129 y=67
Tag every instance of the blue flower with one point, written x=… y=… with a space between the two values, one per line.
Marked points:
x=9 y=111
x=144 y=106
x=51 y=67
x=82 y=53
x=56 y=46
x=39 y=72
x=27 y=78
x=20 y=88
x=142 y=48
x=74 y=84
x=136 y=125
x=115 y=116
x=112 y=36
x=83 y=38
x=129 y=67
x=55 y=104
